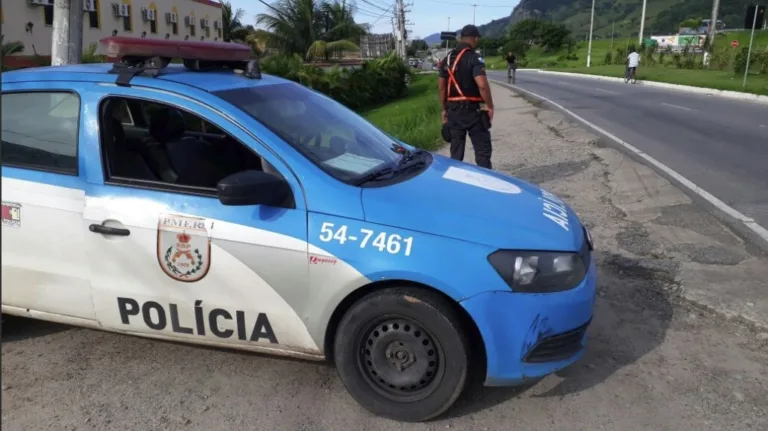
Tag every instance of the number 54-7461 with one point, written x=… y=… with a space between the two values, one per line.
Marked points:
x=391 y=243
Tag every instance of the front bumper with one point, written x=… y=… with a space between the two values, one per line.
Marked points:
x=529 y=336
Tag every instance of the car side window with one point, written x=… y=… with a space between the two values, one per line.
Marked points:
x=39 y=131
x=175 y=149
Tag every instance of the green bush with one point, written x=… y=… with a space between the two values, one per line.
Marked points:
x=376 y=82
x=608 y=58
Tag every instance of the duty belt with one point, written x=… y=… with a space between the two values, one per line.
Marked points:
x=453 y=83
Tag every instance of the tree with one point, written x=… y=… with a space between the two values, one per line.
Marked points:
x=516 y=47
x=231 y=22
x=415 y=46
x=527 y=30
x=9 y=48
x=691 y=23
x=549 y=35
x=310 y=28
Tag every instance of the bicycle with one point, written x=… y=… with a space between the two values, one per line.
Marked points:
x=630 y=75
x=511 y=75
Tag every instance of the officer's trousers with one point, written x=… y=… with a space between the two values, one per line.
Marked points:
x=463 y=119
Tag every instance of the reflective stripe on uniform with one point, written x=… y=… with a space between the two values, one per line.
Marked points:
x=453 y=83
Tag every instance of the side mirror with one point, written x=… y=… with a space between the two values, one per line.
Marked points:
x=253 y=188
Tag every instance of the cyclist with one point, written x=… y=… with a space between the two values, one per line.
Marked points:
x=633 y=60
x=511 y=67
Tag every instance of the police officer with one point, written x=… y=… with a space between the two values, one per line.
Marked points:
x=463 y=88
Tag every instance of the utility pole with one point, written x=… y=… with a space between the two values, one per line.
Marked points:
x=474 y=8
x=749 y=51
x=642 y=23
x=67 y=34
x=613 y=31
x=713 y=23
x=400 y=28
x=449 y=29
x=591 y=26
x=76 y=31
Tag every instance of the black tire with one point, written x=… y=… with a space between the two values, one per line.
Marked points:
x=408 y=324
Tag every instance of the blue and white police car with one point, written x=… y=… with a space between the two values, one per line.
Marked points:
x=211 y=204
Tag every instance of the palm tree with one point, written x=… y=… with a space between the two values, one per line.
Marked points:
x=340 y=23
x=311 y=28
x=9 y=48
x=232 y=24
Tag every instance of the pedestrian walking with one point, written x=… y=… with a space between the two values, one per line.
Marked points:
x=466 y=99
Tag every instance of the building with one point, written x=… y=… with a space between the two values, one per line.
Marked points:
x=31 y=22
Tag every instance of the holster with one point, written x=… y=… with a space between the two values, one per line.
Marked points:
x=485 y=119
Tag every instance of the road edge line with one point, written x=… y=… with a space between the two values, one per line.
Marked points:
x=704 y=91
x=748 y=222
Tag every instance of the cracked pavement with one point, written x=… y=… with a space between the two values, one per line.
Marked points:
x=662 y=353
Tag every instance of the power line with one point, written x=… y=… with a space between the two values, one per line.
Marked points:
x=473 y=5
x=382 y=15
x=369 y=3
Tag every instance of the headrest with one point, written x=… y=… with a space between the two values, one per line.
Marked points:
x=166 y=125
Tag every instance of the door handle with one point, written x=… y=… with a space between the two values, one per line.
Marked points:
x=106 y=230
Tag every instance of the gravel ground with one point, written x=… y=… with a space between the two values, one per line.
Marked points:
x=654 y=362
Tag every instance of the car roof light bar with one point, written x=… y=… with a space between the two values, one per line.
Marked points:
x=147 y=57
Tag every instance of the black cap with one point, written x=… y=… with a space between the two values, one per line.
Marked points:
x=470 y=30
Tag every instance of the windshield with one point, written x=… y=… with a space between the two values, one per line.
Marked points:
x=335 y=138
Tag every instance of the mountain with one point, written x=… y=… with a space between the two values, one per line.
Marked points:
x=662 y=16
x=432 y=39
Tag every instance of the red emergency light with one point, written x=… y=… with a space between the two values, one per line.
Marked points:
x=140 y=56
x=121 y=47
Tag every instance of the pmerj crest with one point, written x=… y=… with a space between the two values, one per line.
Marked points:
x=183 y=247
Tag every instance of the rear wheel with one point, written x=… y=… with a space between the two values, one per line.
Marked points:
x=402 y=354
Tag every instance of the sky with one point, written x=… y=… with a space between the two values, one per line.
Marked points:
x=427 y=16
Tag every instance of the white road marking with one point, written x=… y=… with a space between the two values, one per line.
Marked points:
x=677 y=106
x=722 y=206
x=607 y=91
x=568 y=83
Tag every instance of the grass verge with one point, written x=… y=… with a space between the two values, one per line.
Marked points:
x=667 y=72
x=415 y=118
x=756 y=84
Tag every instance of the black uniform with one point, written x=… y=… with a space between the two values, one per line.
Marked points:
x=463 y=104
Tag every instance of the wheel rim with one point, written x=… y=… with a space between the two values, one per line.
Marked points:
x=400 y=359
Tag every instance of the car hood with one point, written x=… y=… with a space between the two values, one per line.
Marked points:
x=465 y=202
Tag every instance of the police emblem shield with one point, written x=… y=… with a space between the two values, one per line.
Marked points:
x=183 y=247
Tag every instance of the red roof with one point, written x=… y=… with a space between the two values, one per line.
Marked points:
x=209 y=3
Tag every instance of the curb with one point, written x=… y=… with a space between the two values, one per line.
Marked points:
x=728 y=94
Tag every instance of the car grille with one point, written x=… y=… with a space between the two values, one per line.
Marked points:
x=557 y=347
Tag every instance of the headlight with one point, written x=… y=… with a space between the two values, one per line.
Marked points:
x=539 y=271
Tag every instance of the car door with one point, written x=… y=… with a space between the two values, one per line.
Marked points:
x=173 y=262
x=45 y=272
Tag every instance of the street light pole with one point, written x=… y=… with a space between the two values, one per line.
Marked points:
x=642 y=23
x=749 y=51
x=713 y=22
x=591 y=26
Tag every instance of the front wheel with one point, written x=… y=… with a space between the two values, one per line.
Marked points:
x=402 y=354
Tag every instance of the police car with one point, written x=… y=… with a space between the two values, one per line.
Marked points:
x=210 y=204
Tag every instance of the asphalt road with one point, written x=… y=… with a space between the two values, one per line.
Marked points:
x=719 y=144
